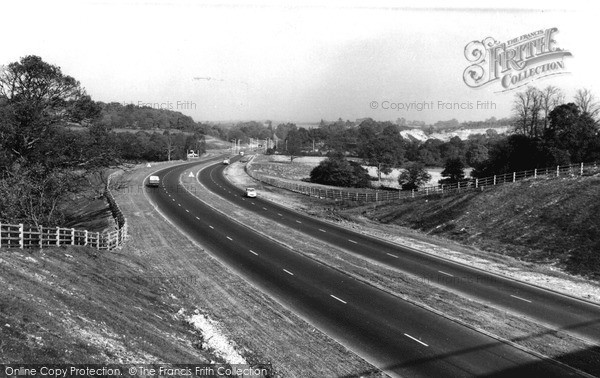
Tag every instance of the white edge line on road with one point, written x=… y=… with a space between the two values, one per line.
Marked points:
x=394 y=256
x=352 y=241
x=320 y=229
x=298 y=222
x=523 y=299
x=288 y=272
x=448 y=274
x=254 y=253
x=417 y=340
x=334 y=297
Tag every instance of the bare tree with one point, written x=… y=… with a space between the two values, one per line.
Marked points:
x=170 y=145
x=551 y=97
x=585 y=99
x=527 y=106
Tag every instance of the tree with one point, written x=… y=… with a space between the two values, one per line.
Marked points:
x=294 y=142
x=169 y=144
x=551 y=97
x=527 y=106
x=384 y=151
x=574 y=131
x=454 y=171
x=586 y=101
x=338 y=171
x=413 y=176
x=42 y=161
x=477 y=152
x=40 y=96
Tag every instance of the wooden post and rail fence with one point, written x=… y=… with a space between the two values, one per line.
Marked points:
x=371 y=195
x=24 y=236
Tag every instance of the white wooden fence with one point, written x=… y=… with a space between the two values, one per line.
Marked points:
x=371 y=195
x=24 y=236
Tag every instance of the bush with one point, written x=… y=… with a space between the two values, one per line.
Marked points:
x=338 y=171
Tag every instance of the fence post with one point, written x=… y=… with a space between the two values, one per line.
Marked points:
x=494 y=179
x=514 y=176
x=86 y=238
x=476 y=183
x=535 y=173
x=21 y=235
x=557 y=170
x=98 y=240
x=413 y=193
x=581 y=170
x=58 y=236
x=72 y=236
x=41 y=230
x=0 y=234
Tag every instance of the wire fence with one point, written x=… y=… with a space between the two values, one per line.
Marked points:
x=372 y=195
x=25 y=236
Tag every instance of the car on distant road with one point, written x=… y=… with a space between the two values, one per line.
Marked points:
x=251 y=192
x=154 y=181
x=226 y=161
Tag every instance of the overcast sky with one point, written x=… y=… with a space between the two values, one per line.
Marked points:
x=286 y=61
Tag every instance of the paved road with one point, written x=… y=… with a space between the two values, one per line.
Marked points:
x=575 y=316
x=394 y=335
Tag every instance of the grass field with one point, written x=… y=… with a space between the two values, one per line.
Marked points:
x=300 y=168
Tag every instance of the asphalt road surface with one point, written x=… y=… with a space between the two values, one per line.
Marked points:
x=578 y=317
x=396 y=336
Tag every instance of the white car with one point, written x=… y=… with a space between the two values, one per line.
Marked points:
x=251 y=192
x=226 y=161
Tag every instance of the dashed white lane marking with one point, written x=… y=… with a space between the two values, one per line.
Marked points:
x=211 y=227
x=320 y=229
x=254 y=253
x=253 y=203
x=394 y=256
x=352 y=241
x=187 y=211
x=523 y=299
x=334 y=297
x=197 y=218
x=288 y=272
x=264 y=208
x=229 y=238
x=279 y=214
x=448 y=274
x=417 y=340
x=298 y=222
x=173 y=199
x=179 y=204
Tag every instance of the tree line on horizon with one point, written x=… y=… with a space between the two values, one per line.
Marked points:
x=44 y=160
